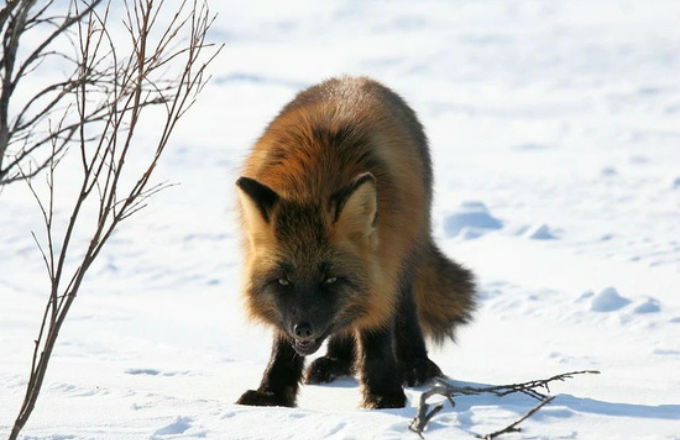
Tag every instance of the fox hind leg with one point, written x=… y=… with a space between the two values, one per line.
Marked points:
x=416 y=367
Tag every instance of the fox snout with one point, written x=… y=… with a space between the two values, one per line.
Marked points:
x=307 y=314
x=303 y=330
x=305 y=340
x=306 y=330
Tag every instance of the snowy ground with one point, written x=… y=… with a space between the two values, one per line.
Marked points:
x=555 y=134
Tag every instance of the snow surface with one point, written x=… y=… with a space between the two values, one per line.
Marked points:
x=541 y=232
x=608 y=300
x=470 y=220
x=545 y=113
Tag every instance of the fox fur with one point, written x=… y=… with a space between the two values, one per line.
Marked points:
x=335 y=202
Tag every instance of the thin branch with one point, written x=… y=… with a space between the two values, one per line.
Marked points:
x=69 y=21
x=449 y=390
x=7 y=11
x=42 y=252
x=513 y=426
x=52 y=94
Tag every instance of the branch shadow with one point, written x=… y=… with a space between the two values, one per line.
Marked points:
x=586 y=405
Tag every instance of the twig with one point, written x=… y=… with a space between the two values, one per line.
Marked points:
x=449 y=390
x=513 y=426
x=16 y=18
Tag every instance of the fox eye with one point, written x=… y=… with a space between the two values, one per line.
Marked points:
x=330 y=280
x=283 y=281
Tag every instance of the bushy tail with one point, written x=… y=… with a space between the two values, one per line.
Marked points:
x=444 y=292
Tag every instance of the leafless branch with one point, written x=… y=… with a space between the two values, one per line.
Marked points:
x=17 y=18
x=24 y=134
x=513 y=426
x=533 y=389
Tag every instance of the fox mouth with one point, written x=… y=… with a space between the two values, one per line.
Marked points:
x=306 y=347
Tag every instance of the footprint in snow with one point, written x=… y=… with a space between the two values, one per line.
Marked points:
x=540 y=232
x=179 y=426
x=471 y=220
x=608 y=300
x=650 y=305
x=530 y=146
x=608 y=172
x=154 y=372
x=666 y=352
x=142 y=371
x=676 y=183
x=638 y=160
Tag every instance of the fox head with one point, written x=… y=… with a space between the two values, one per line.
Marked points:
x=310 y=264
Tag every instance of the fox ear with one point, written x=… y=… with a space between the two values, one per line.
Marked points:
x=257 y=201
x=355 y=207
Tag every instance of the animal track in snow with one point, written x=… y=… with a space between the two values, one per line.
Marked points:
x=650 y=305
x=541 y=232
x=665 y=352
x=608 y=172
x=179 y=426
x=608 y=300
x=142 y=371
x=471 y=220
x=154 y=372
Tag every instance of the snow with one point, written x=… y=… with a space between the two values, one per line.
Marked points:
x=608 y=300
x=649 y=305
x=541 y=232
x=556 y=118
x=472 y=219
x=179 y=426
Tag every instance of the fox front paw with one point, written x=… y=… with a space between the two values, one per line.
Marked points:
x=264 y=398
x=326 y=369
x=394 y=399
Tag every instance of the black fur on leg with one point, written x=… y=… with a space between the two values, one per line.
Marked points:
x=338 y=361
x=280 y=381
x=416 y=367
x=380 y=377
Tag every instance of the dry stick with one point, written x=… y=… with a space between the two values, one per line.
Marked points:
x=423 y=416
x=449 y=390
x=513 y=426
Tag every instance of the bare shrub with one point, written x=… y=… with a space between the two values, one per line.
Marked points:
x=159 y=68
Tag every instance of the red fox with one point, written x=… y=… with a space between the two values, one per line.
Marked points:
x=335 y=205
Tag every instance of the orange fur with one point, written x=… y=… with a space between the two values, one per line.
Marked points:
x=319 y=144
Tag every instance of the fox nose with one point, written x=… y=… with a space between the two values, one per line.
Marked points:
x=303 y=330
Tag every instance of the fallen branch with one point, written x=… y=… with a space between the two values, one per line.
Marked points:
x=513 y=426
x=444 y=388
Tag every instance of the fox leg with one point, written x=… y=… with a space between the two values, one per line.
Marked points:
x=416 y=367
x=338 y=361
x=279 y=384
x=378 y=371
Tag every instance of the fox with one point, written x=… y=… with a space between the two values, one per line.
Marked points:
x=335 y=208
